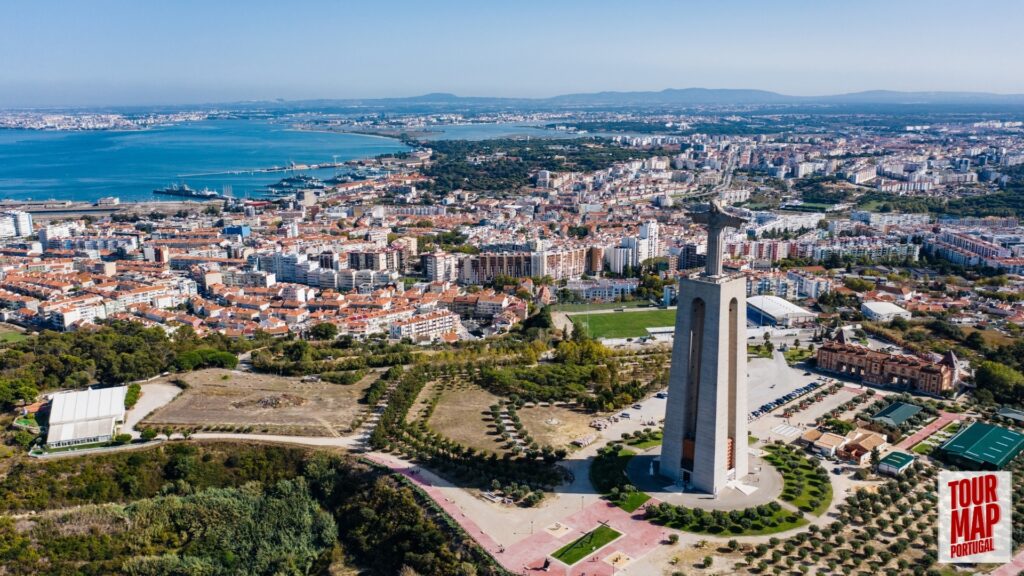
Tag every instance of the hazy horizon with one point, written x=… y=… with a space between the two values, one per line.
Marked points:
x=119 y=53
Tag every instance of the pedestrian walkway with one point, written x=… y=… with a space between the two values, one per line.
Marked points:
x=938 y=424
x=1011 y=568
x=786 y=430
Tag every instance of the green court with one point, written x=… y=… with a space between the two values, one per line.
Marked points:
x=623 y=324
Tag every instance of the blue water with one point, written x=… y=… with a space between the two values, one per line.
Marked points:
x=131 y=164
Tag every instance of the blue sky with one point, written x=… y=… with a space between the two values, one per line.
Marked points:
x=95 y=52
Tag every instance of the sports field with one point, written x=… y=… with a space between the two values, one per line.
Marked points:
x=623 y=324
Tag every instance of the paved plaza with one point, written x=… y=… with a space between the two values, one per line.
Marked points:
x=762 y=485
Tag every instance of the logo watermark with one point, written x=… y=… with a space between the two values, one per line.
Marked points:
x=975 y=517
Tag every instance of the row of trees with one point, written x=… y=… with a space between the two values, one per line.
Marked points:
x=394 y=433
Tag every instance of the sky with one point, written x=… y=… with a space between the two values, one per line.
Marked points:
x=110 y=52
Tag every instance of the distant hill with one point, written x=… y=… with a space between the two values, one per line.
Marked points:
x=675 y=97
x=678 y=98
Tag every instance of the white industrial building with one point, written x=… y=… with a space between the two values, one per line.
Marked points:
x=883 y=311
x=85 y=416
x=775 y=311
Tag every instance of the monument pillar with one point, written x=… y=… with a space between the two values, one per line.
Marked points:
x=705 y=439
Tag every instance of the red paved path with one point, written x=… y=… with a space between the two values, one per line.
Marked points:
x=527 y=555
x=939 y=423
x=1011 y=568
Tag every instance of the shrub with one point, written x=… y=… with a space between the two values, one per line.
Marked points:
x=131 y=396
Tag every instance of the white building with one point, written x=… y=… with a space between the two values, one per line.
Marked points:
x=883 y=311
x=430 y=326
x=603 y=289
x=15 y=224
x=440 y=267
x=774 y=311
x=85 y=416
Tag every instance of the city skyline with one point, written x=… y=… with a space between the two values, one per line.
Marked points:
x=115 y=53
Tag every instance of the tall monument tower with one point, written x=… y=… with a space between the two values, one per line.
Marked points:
x=705 y=441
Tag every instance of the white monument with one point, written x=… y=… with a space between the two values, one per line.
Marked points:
x=705 y=441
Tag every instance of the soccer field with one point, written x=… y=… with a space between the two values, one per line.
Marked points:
x=623 y=324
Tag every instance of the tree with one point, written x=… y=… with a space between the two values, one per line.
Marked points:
x=1005 y=383
x=858 y=284
x=899 y=323
x=148 y=434
x=24 y=438
x=975 y=341
x=324 y=331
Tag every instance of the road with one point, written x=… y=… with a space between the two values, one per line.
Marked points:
x=154 y=395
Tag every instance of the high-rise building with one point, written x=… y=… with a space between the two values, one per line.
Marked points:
x=15 y=223
x=705 y=441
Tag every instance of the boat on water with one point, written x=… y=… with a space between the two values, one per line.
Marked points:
x=185 y=192
x=299 y=181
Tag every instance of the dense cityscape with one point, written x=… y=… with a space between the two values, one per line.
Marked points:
x=264 y=313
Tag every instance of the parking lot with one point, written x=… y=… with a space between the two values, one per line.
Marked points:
x=828 y=403
x=770 y=379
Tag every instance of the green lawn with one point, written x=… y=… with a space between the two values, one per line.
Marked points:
x=585 y=545
x=608 y=472
x=12 y=336
x=758 y=351
x=796 y=355
x=645 y=444
x=632 y=501
x=27 y=421
x=951 y=427
x=922 y=448
x=624 y=324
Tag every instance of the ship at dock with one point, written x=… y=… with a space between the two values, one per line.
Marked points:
x=184 y=191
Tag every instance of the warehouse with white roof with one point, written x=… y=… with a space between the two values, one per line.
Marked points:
x=775 y=311
x=85 y=416
x=883 y=311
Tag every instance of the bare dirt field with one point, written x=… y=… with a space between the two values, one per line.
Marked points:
x=463 y=415
x=229 y=400
x=555 y=426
